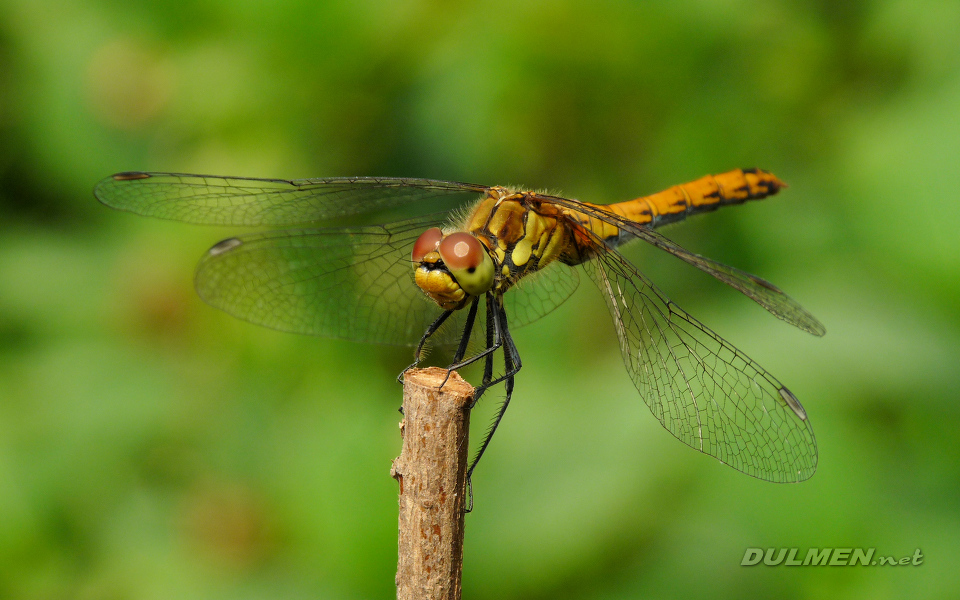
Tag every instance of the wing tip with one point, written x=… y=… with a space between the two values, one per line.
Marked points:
x=808 y=323
x=818 y=329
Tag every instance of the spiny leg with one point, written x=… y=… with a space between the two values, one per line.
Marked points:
x=488 y=363
x=423 y=341
x=494 y=342
x=464 y=338
x=467 y=330
x=487 y=377
x=498 y=324
x=512 y=365
x=493 y=334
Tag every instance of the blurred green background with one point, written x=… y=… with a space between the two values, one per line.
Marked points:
x=153 y=447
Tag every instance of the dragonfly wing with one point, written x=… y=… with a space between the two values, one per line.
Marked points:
x=758 y=289
x=703 y=390
x=214 y=200
x=351 y=283
x=538 y=294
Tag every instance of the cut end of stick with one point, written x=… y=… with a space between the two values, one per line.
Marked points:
x=433 y=377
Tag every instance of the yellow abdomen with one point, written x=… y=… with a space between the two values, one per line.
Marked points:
x=680 y=201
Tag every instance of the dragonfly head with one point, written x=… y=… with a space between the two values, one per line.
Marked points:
x=452 y=268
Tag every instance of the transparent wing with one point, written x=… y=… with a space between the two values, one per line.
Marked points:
x=703 y=390
x=351 y=283
x=760 y=290
x=539 y=293
x=214 y=200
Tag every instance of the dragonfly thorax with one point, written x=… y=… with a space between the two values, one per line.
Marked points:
x=452 y=268
x=523 y=234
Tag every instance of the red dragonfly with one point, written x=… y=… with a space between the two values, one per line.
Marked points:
x=503 y=259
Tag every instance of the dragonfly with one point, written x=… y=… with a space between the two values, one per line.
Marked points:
x=443 y=260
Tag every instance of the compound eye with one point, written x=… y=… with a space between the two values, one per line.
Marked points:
x=461 y=251
x=426 y=243
x=468 y=261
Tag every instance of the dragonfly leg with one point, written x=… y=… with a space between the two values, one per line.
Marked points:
x=465 y=337
x=467 y=330
x=488 y=363
x=492 y=336
x=423 y=341
x=500 y=335
x=511 y=364
x=487 y=377
x=494 y=342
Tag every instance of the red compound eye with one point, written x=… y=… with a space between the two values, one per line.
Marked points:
x=461 y=251
x=426 y=243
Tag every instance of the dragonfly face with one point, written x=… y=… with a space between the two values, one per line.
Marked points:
x=356 y=283
x=451 y=268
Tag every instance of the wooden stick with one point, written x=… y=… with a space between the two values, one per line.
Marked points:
x=432 y=473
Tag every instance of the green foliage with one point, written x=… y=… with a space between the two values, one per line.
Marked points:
x=151 y=447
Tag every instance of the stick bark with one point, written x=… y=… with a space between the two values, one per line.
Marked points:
x=432 y=473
